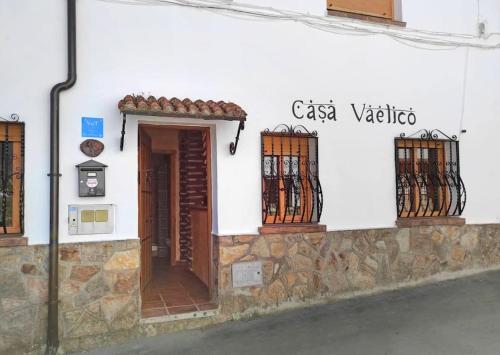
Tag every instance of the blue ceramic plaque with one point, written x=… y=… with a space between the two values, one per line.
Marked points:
x=92 y=127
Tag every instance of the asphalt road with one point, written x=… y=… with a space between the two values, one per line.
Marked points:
x=453 y=317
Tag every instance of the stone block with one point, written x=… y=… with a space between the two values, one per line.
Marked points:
x=113 y=305
x=127 y=281
x=225 y=278
x=337 y=282
x=69 y=253
x=69 y=288
x=11 y=285
x=249 y=258
x=127 y=318
x=361 y=245
x=369 y=266
x=315 y=238
x=225 y=241
x=260 y=248
x=123 y=260
x=325 y=247
x=300 y=263
x=403 y=239
x=307 y=249
x=277 y=292
x=293 y=250
x=421 y=240
x=469 y=240
x=229 y=255
x=10 y=304
x=100 y=252
x=82 y=323
x=267 y=271
x=275 y=238
x=278 y=250
x=293 y=238
x=18 y=322
x=97 y=288
x=10 y=260
x=83 y=273
x=38 y=289
x=291 y=279
x=458 y=255
x=363 y=281
x=244 y=238
x=29 y=269
x=349 y=262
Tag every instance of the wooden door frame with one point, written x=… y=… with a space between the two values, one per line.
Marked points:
x=144 y=271
x=207 y=130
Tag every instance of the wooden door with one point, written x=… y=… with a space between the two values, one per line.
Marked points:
x=201 y=245
x=146 y=210
x=200 y=216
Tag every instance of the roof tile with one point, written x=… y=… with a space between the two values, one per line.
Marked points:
x=174 y=106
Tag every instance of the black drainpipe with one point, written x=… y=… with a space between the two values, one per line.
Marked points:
x=53 y=305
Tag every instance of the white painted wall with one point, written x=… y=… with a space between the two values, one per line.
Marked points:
x=263 y=66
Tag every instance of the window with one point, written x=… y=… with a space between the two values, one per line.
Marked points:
x=384 y=9
x=11 y=177
x=428 y=182
x=291 y=190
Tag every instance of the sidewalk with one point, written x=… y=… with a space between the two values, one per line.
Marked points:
x=452 y=317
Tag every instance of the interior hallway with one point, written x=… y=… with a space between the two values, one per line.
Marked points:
x=174 y=290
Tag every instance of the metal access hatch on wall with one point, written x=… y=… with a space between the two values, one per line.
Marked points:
x=91 y=219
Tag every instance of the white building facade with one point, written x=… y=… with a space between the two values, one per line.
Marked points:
x=437 y=63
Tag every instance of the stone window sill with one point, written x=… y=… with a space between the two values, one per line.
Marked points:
x=429 y=221
x=13 y=241
x=291 y=228
x=367 y=18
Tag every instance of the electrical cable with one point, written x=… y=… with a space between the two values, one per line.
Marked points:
x=464 y=92
x=419 y=39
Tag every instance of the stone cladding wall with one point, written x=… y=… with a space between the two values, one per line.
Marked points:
x=304 y=267
x=23 y=297
x=99 y=282
x=99 y=295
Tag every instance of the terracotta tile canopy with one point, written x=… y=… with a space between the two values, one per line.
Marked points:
x=205 y=110
x=220 y=110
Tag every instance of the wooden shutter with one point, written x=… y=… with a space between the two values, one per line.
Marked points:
x=11 y=177
x=378 y=8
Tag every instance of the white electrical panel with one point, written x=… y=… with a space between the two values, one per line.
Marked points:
x=247 y=274
x=91 y=219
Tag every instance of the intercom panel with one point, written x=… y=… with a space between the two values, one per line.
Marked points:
x=91 y=219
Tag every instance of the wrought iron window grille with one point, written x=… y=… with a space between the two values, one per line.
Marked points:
x=291 y=189
x=428 y=181
x=11 y=176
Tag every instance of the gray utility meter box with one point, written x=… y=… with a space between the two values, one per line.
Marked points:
x=91 y=179
x=91 y=219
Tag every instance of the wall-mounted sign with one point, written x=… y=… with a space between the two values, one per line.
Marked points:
x=363 y=113
x=91 y=147
x=92 y=127
x=312 y=111
x=386 y=114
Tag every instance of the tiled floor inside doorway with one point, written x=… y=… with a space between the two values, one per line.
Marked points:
x=174 y=290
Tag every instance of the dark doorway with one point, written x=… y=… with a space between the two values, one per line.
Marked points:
x=175 y=218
